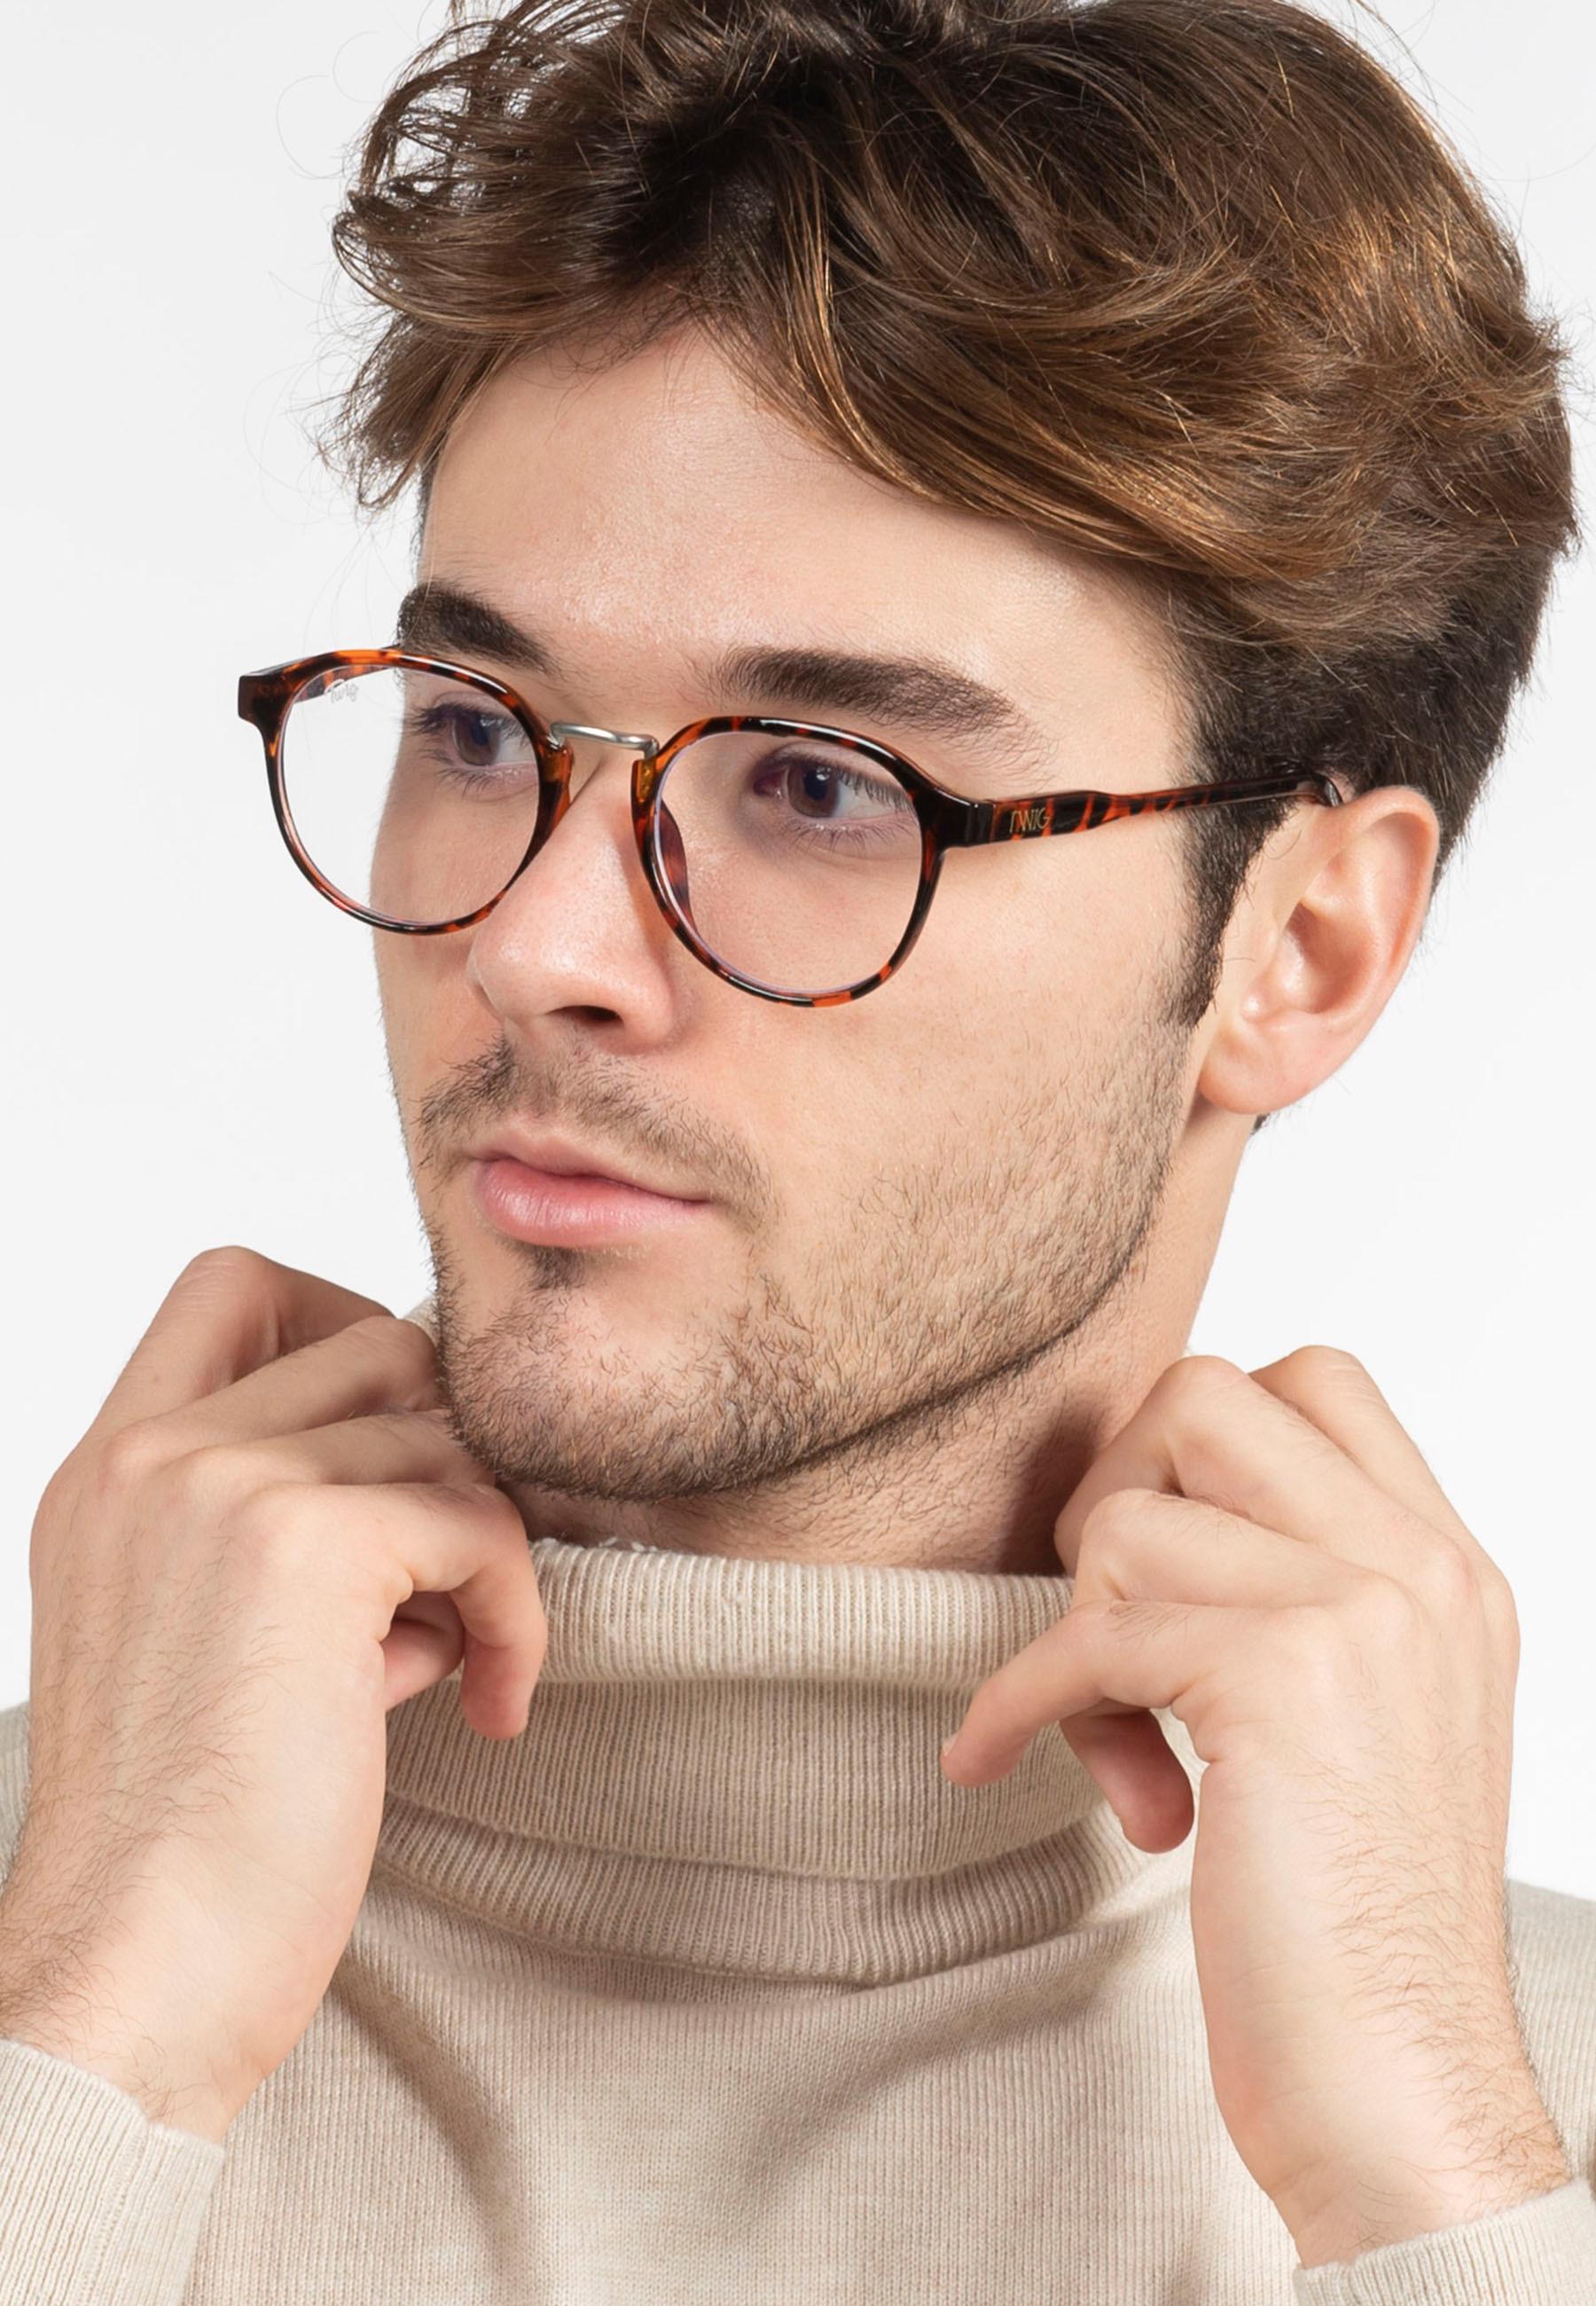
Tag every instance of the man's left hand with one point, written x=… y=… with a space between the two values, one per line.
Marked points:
x=1268 y=1556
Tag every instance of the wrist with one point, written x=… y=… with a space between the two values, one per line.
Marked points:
x=50 y=2009
x=140 y=2075
x=1403 y=2201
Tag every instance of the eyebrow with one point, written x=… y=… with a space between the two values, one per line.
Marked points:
x=915 y=692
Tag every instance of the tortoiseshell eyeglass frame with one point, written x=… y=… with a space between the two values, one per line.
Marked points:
x=948 y=820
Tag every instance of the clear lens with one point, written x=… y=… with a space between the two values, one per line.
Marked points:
x=796 y=861
x=415 y=796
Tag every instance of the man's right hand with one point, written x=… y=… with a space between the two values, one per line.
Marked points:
x=266 y=1538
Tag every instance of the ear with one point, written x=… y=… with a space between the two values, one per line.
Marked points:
x=1316 y=944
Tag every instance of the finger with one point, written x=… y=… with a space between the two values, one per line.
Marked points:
x=1145 y=1784
x=1207 y=1431
x=423 y=1646
x=471 y=1544
x=229 y=1311
x=1104 y=1655
x=1147 y=1545
x=390 y=1447
x=375 y=1365
x=1335 y=1390
x=1153 y=1545
x=396 y=1445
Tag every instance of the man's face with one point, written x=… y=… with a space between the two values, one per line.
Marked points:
x=910 y=1198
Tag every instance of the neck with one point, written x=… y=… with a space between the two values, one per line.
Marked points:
x=977 y=1483
x=733 y=1764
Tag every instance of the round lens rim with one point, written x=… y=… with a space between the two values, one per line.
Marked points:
x=273 y=692
x=326 y=672
x=903 y=774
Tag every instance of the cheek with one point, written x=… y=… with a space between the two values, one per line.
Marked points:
x=427 y=1017
x=1032 y=981
x=1044 y=927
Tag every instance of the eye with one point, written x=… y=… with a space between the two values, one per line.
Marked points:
x=475 y=732
x=826 y=791
x=469 y=741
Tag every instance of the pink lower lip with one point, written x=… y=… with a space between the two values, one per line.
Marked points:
x=534 y=1205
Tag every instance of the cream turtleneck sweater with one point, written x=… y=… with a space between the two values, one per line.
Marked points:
x=711 y=1987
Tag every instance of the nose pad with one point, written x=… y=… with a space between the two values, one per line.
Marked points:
x=561 y=733
x=565 y=762
x=670 y=849
x=671 y=854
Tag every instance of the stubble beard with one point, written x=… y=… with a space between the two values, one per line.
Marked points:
x=941 y=1280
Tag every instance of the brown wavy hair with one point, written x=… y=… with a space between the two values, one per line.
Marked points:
x=1191 y=284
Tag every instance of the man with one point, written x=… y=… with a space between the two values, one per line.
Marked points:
x=848 y=435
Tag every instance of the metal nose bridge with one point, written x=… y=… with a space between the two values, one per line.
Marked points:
x=561 y=730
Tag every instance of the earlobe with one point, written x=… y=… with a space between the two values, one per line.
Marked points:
x=1317 y=946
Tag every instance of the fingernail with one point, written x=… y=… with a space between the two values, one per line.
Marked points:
x=948 y=1744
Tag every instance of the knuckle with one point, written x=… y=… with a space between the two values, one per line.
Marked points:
x=383 y=1328
x=229 y=1283
x=1331 y=1361
x=502 y=1513
x=194 y=1481
x=1110 y=1531
x=503 y=1509
x=1310 y=1646
x=1388 y=1613
x=1451 y=1582
x=273 y=1521
x=1195 y=1394
x=1200 y=1376
x=130 y=1457
x=231 y=1259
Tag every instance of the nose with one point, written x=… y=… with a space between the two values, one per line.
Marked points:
x=635 y=741
x=579 y=927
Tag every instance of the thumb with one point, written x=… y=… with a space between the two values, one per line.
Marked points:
x=423 y=1646
x=1147 y=1785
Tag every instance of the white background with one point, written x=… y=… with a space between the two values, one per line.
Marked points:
x=192 y=1034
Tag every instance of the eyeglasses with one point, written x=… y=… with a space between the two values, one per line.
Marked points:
x=796 y=861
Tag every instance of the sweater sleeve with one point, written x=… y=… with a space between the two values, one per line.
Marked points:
x=97 y=2201
x=1541 y=2252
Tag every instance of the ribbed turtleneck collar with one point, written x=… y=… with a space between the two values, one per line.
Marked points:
x=734 y=1764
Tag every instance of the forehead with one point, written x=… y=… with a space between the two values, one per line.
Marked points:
x=655 y=509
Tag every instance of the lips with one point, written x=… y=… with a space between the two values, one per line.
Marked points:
x=574 y=1209
x=561 y=1157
